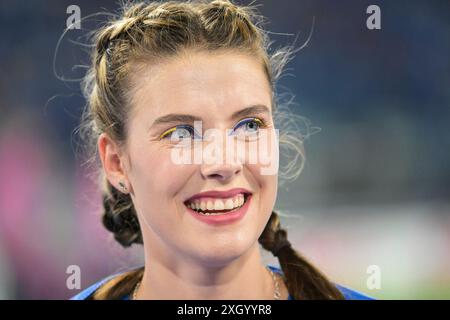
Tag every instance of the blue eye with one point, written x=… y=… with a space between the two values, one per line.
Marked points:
x=250 y=125
x=177 y=133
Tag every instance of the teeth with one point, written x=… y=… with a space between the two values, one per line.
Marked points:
x=202 y=206
x=219 y=205
x=229 y=204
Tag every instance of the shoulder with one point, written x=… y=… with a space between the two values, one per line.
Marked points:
x=351 y=294
x=110 y=280
x=83 y=295
x=348 y=293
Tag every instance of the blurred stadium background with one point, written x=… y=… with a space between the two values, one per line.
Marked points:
x=375 y=189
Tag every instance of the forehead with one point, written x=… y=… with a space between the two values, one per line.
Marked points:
x=199 y=83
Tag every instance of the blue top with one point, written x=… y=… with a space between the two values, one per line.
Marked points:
x=349 y=294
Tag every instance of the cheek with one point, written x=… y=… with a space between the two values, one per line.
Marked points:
x=265 y=170
x=267 y=185
x=156 y=177
x=157 y=182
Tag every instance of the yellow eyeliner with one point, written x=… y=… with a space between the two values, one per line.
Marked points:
x=258 y=120
x=165 y=133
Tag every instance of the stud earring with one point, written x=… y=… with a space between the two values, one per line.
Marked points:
x=122 y=185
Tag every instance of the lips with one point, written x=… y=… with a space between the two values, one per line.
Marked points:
x=219 y=194
x=218 y=218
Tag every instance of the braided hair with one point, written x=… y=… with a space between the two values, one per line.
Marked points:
x=154 y=31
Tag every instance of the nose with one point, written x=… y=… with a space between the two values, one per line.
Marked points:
x=221 y=172
x=224 y=165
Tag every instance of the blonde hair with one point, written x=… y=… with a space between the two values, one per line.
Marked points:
x=150 y=32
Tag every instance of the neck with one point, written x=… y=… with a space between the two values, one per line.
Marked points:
x=243 y=278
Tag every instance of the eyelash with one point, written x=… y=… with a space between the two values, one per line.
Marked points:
x=260 y=122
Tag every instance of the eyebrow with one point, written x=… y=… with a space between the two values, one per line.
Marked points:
x=187 y=118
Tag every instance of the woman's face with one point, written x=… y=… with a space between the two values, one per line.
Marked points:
x=213 y=88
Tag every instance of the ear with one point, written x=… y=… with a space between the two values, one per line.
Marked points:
x=112 y=162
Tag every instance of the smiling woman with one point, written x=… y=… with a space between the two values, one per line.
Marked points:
x=155 y=71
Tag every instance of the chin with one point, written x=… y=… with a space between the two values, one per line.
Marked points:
x=220 y=255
